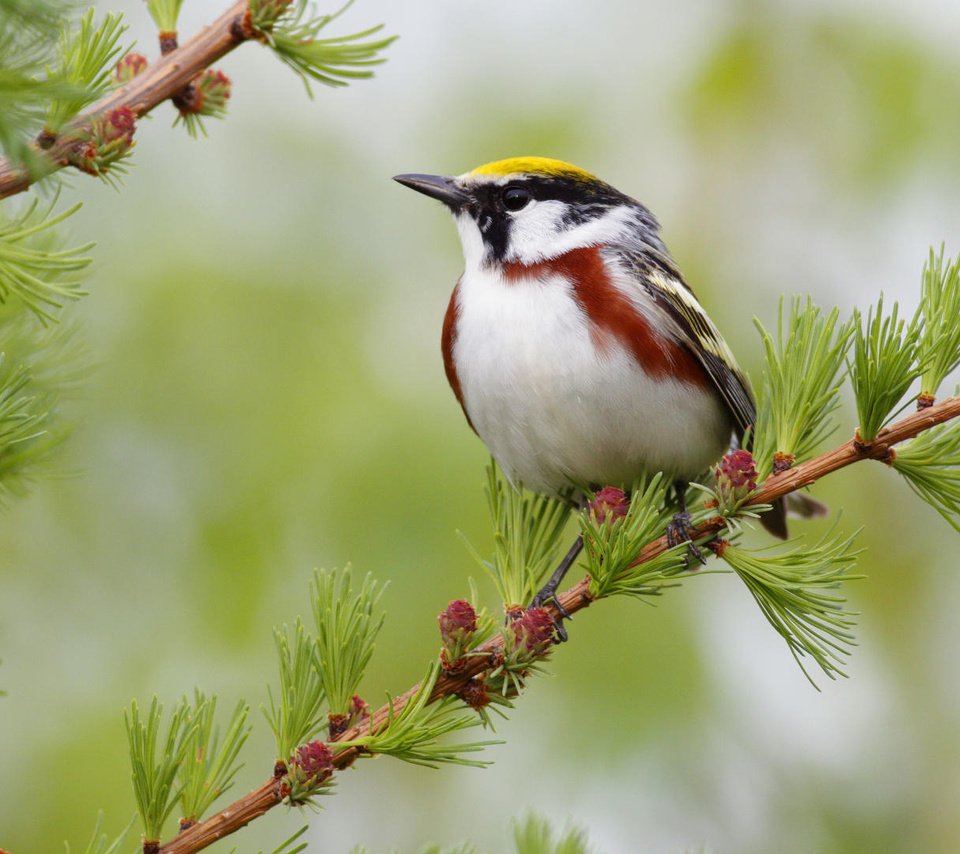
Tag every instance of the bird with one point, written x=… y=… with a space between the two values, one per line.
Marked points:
x=577 y=351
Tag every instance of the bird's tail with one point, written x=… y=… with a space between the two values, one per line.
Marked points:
x=775 y=520
x=798 y=504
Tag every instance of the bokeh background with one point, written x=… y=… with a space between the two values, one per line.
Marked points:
x=267 y=397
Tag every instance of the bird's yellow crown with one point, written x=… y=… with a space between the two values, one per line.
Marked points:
x=534 y=165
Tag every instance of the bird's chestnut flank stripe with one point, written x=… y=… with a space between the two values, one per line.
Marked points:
x=448 y=338
x=612 y=316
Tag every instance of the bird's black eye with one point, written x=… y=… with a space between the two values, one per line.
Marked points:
x=516 y=198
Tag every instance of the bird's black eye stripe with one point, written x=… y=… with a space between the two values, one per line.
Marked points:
x=516 y=198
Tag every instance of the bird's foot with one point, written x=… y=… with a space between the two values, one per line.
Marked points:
x=548 y=593
x=548 y=596
x=680 y=530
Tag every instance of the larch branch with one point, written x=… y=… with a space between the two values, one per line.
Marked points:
x=160 y=81
x=576 y=598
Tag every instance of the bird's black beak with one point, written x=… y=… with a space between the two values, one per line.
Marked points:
x=437 y=187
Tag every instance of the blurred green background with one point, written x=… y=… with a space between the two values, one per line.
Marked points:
x=268 y=397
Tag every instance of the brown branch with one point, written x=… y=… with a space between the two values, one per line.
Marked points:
x=485 y=657
x=160 y=81
x=230 y=820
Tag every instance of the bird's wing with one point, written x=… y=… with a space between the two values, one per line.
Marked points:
x=656 y=277
x=660 y=281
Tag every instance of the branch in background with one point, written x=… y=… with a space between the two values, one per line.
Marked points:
x=57 y=79
x=285 y=26
x=84 y=61
x=160 y=81
x=58 y=75
x=490 y=655
x=27 y=33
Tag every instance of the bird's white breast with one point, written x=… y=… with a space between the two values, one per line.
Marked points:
x=553 y=409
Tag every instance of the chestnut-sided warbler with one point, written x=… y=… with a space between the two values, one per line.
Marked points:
x=579 y=354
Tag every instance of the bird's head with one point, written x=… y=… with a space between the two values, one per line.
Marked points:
x=525 y=210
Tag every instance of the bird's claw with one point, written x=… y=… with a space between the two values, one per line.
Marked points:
x=680 y=530
x=548 y=595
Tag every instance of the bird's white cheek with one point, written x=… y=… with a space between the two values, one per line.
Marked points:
x=471 y=239
x=534 y=234
x=538 y=234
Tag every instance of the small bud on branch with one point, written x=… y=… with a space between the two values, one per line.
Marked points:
x=609 y=503
x=313 y=763
x=129 y=67
x=206 y=95
x=533 y=632
x=458 y=625
x=736 y=480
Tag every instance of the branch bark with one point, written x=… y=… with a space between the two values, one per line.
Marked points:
x=271 y=793
x=160 y=81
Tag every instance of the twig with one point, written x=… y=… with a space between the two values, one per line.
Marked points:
x=271 y=793
x=160 y=81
